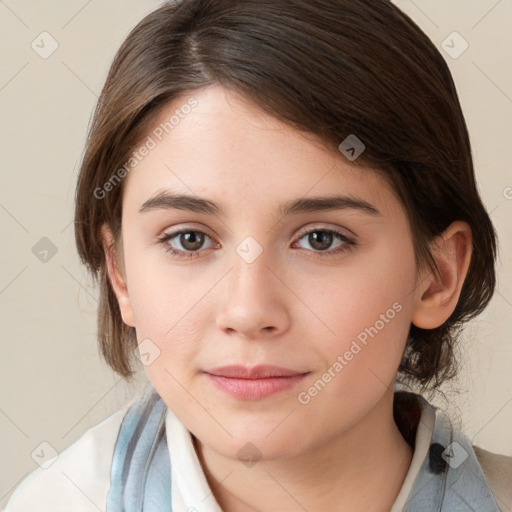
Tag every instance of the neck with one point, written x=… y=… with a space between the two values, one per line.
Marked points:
x=361 y=469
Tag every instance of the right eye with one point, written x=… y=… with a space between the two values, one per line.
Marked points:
x=190 y=240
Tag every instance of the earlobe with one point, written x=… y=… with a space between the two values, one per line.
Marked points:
x=116 y=275
x=438 y=292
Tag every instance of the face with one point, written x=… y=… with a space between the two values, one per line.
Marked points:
x=286 y=264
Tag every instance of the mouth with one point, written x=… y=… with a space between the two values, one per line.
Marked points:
x=254 y=383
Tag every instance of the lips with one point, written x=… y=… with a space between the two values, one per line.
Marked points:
x=254 y=383
x=256 y=372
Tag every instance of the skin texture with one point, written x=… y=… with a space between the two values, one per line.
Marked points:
x=294 y=306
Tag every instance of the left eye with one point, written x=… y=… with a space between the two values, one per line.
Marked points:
x=322 y=240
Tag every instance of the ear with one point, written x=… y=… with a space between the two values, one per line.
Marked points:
x=438 y=293
x=116 y=275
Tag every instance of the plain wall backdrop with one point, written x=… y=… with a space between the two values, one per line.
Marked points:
x=55 y=56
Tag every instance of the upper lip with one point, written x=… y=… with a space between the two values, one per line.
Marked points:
x=255 y=372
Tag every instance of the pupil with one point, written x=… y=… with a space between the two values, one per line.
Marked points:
x=320 y=240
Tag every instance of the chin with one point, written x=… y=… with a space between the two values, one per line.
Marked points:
x=252 y=444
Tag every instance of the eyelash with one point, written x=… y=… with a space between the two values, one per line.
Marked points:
x=188 y=255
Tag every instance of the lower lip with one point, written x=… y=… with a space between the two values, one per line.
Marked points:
x=254 y=389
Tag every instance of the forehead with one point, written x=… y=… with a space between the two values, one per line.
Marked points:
x=214 y=143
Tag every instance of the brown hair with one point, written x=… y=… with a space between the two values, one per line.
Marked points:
x=327 y=67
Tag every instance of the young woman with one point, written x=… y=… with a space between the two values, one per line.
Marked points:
x=279 y=203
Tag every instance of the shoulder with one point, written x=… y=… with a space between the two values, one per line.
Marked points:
x=498 y=472
x=78 y=479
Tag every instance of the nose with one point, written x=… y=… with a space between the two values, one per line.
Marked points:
x=253 y=301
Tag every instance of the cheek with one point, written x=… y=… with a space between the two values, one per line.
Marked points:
x=366 y=308
x=368 y=314
x=162 y=294
x=172 y=309
x=169 y=317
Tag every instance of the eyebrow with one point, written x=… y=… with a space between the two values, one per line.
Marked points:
x=170 y=201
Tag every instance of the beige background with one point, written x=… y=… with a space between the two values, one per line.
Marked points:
x=53 y=385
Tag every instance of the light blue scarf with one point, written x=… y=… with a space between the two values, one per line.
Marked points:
x=450 y=478
x=140 y=477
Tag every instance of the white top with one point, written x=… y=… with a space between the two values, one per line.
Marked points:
x=80 y=475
